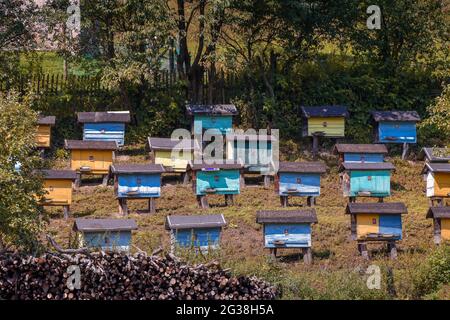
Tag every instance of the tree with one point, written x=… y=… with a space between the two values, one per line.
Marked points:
x=18 y=31
x=408 y=35
x=437 y=124
x=21 y=218
x=199 y=27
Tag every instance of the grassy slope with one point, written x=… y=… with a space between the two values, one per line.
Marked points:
x=337 y=272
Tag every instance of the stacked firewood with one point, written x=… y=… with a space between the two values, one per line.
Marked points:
x=111 y=276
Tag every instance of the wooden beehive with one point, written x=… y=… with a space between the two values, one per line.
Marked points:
x=202 y=232
x=137 y=181
x=91 y=157
x=441 y=223
x=104 y=234
x=299 y=179
x=288 y=229
x=221 y=179
x=104 y=126
x=44 y=130
x=360 y=153
x=376 y=222
x=395 y=126
x=366 y=179
x=327 y=121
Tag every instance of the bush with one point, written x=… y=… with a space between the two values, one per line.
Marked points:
x=434 y=274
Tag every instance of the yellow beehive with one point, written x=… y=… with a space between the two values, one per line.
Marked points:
x=58 y=185
x=43 y=134
x=438 y=179
x=91 y=157
x=327 y=121
x=174 y=155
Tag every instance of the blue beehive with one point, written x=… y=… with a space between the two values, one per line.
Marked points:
x=380 y=222
x=220 y=179
x=288 y=229
x=395 y=126
x=299 y=179
x=360 y=153
x=199 y=231
x=218 y=117
x=137 y=181
x=366 y=179
x=104 y=234
x=104 y=126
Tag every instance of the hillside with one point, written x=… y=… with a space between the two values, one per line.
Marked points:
x=338 y=272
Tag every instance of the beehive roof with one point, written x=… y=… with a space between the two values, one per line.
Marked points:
x=367 y=166
x=395 y=116
x=194 y=221
x=90 y=145
x=325 y=111
x=436 y=167
x=107 y=116
x=360 y=148
x=282 y=216
x=169 y=144
x=205 y=166
x=95 y=225
x=302 y=167
x=132 y=168
x=378 y=208
x=217 y=109
x=58 y=174
x=438 y=212
x=46 y=120
x=434 y=154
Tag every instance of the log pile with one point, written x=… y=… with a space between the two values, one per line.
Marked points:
x=115 y=276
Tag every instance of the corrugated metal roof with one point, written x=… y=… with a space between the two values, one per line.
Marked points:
x=58 y=174
x=436 y=167
x=302 y=167
x=194 y=221
x=219 y=109
x=283 y=216
x=93 y=225
x=438 y=212
x=47 y=120
x=434 y=154
x=380 y=208
x=360 y=148
x=367 y=166
x=132 y=168
x=108 y=116
x=169 y=144
x=325 y=111
x=208 y=166
x=90 y=145
x=395 y=116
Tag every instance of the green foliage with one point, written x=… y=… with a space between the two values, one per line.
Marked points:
x=437 y=124
x=21 y=219
x=433 y=274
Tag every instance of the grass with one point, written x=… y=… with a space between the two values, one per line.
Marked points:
x=338 y=271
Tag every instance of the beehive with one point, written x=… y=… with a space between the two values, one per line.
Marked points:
x=104 y=126
x=198 y=232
